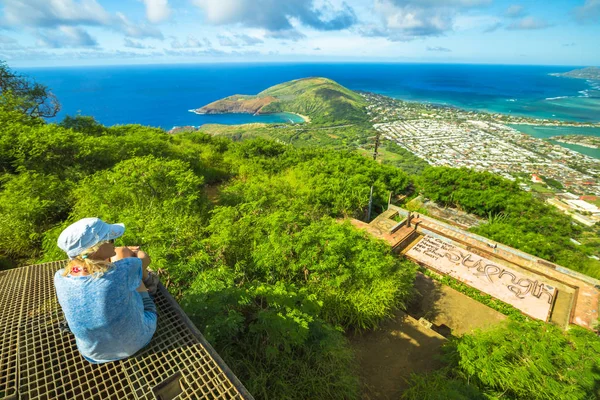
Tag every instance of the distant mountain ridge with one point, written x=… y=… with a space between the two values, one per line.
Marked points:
x=322 y=100
x=582 y=73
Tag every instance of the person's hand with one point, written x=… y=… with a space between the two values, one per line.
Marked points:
x=134 y=249
x=131 y=251
x=141 y=254
x=123 y=252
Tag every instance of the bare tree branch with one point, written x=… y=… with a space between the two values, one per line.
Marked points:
x=36 y=100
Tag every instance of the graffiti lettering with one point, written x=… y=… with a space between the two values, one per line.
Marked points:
x=521 y=287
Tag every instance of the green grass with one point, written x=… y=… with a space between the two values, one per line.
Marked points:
x=324 y=101
x=540 y=188
x=342 y=138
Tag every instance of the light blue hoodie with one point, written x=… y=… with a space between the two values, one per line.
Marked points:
x=106 y=314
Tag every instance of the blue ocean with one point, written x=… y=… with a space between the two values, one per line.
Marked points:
x=162 y=95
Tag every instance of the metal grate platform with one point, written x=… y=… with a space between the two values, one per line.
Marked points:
x=37 y=361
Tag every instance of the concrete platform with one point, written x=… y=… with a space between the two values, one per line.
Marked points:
x=537 y=287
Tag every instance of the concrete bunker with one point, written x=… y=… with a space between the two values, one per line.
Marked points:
x=536 y=287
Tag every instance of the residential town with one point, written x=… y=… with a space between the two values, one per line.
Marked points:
x=452 y=137
x=384 y=108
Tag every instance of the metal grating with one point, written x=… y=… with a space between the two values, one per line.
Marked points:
x=10 y=308
x=37 y=361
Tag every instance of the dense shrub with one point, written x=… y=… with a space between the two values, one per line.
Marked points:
x=160 y=201
x=266 y=271
x=30 y=203
x=439 y=386
x=359 y=281
x=270 y=335
x=515 y=217
x=524 y=360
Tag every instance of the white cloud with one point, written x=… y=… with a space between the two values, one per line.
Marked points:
x=493 y=27
x=51 y=17
x=276 y=15
x=227 y=41
x=190 y=43
x=589 y=11
x=238 y=40
x=528 y=23
x=515 y=11
x=139 y=30
x=8 y=43
x=287 y=34
x=405 y=20
x=248 y=40
x=53 y=13
x=195 y=53
x=157 y=10
x=70 y=55
x=127 y=42
x=65 y=36
x=473 y=22
x=438 y=49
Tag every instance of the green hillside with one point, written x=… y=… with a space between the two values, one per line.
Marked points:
x=322 y=100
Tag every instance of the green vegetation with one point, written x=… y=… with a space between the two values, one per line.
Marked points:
x=553 y=183
x=402 y=158
x=517 y=360
x=540 y=188
x=266 y=268
x=266 y=271
x=323 y=100
x=19 y=93
x=515 y=218
x=299 y=135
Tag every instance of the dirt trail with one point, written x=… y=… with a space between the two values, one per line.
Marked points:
x=388 y=356
x=449 y=309
x=402 y=346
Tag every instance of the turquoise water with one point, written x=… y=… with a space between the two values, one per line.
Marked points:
x=546 y=132
x=161 y=95
x=235 y=119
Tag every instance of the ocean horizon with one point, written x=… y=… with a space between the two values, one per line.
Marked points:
x=162 y=95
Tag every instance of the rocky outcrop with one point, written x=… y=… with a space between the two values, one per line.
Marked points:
x=592 y=73
x=237 y=104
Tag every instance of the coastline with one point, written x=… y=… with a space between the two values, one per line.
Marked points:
x=304 y=117
x=551 y=132
x=577 y=144
x=556 y=124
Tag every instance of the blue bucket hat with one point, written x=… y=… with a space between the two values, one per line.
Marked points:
x=85 y=233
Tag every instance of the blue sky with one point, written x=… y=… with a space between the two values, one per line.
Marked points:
x=96 y=32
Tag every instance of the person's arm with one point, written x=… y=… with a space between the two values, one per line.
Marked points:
x=133 y=251
x=144 y=257
x=121 y=253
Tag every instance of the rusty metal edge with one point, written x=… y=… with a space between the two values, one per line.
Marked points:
x=198 y=335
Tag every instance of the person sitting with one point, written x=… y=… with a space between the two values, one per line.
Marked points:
x=103 y=291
